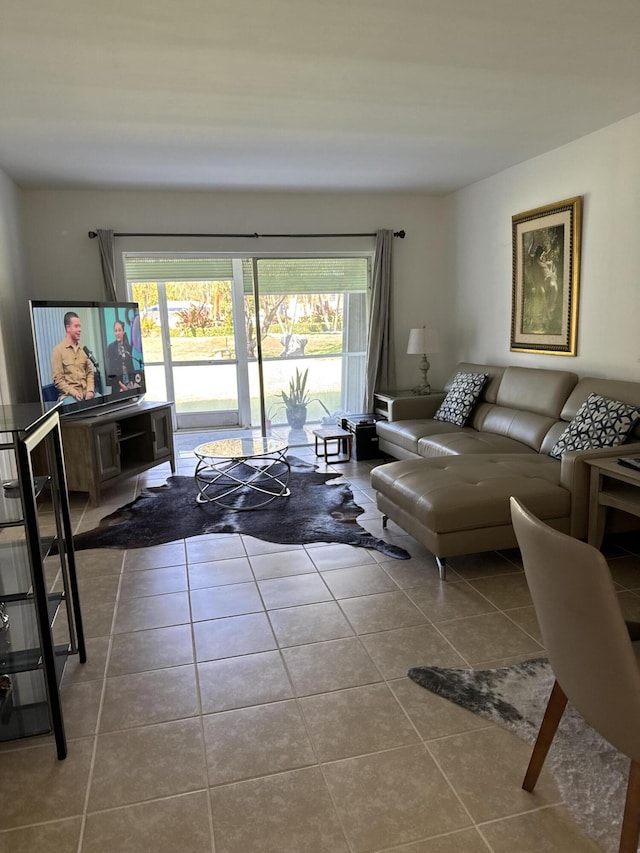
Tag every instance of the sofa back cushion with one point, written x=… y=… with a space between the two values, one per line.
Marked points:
x=528 y=404
x=489 y=391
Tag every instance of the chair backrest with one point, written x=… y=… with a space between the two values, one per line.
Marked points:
x=582 y=628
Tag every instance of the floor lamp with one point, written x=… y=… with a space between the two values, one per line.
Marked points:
x=421 y=342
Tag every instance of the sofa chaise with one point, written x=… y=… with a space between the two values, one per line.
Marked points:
x=450 y=486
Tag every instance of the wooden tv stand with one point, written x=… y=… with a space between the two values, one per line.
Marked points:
x=102 y=450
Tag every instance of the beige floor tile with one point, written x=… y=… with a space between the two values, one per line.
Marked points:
x=60 y=785
x=289 y=813
x=339 y=556
x=201 y=550
x=156 y=696
x=233 y=635
x=486 y=768
x=148 y=762
x=393 y=798
x=381 y=612
x=99 y=561
x=255 y=546
x=449 y=600
x=352 y=722
x=281 y=563
x=219 y=572
x=153 y=582
x=432 y=715
x=415 y=572
x=630 y=605
x=485 y=564
x=230 y=600
x=525 y=618
x=156 y=557
x=358 y=580
x=488 y=637
x=156 y=648
x=154 y=611
x=548 y=830
x=80 y=707
x=239 y=682
x=163 y=826
x=394 y=652
x=93 y=668
x=625 y=570
x=294 y=590
x=277 y=741
x=309 y=623
x=62 y=836
x=505 y=591
x=97 y=588
x=465 y=841
x=97 y=620
x=332 y=665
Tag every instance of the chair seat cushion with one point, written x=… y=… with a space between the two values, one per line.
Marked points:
x=456 y=493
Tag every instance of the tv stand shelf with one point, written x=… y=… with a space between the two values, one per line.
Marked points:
x=104 y=449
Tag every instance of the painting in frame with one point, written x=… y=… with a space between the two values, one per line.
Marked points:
x=546 y=278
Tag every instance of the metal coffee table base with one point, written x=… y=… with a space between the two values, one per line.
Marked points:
x=242 y=474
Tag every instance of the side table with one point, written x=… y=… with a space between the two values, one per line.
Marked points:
x=611 y=485
x=342 y=437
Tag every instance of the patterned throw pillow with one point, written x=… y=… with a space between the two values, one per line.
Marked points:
x=599 y=422
x=462 y=397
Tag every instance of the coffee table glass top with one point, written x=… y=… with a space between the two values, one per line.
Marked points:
x=239 y=448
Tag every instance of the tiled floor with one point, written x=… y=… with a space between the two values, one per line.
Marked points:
x=241 y=696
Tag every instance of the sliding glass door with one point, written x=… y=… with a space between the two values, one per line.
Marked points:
x=210 y=350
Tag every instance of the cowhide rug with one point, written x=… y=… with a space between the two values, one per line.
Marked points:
x=591 y=775
x=315 y=511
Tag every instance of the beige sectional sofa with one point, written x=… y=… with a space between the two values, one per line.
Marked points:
x=451 y=485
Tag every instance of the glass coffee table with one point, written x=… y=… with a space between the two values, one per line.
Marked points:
x=242 y=473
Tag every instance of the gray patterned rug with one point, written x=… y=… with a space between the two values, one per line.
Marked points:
x=591 y=774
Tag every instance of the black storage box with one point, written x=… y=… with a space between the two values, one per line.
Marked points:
x=365 y=437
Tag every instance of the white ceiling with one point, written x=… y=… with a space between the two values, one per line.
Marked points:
x=418 y=95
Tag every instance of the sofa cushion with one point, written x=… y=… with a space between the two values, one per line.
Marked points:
x=468 y=440
x=468 y=492
x=407 y=434
x=461 y=398
x=599 y=422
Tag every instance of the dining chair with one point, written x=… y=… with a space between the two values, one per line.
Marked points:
x=595 y=664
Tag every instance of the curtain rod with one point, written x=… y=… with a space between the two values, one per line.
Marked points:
x=93 y=235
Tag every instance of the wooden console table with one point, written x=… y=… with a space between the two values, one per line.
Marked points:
x=611 y=485
x=104 y=449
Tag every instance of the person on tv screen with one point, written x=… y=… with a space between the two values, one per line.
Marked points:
x=120 y=369
x=72 y=365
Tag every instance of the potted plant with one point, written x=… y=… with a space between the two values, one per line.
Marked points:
x=297 y=400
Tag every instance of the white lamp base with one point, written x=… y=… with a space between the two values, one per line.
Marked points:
x=424 y=387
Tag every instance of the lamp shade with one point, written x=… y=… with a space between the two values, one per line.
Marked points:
x=423 y=341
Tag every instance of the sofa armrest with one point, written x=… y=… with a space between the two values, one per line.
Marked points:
x=575 y=475
x=414 y=408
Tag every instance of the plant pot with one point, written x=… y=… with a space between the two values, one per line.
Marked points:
x=296 y=416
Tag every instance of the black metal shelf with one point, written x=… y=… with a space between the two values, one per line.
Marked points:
x=32 y=718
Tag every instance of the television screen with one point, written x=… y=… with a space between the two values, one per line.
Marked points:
x=88 y=354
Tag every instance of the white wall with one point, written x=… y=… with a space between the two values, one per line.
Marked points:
x=604 y=167
x=65 y=264
x=17 y=367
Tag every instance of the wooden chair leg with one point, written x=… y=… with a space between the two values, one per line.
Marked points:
x=548 y=727
x=631 y=820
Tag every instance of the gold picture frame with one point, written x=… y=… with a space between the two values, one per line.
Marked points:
x=546 y=278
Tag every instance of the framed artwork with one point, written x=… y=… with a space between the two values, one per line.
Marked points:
x=546 y=277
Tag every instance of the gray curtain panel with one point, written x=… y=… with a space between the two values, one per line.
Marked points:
x=107 y=244
x=380 y=367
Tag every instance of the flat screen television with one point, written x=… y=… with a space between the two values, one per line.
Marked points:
x=87 y=346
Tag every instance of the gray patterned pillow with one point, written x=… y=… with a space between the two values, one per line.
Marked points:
x=462 y=397
x=599 y=422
